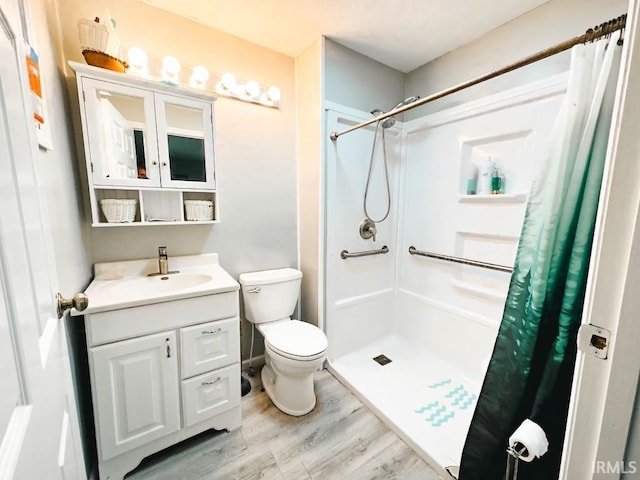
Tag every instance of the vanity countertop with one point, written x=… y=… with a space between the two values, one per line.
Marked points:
x=127 y=284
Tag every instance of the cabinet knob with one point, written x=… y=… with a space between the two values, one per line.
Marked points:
x=164 y=164
x=79 y=301
x=154 y=163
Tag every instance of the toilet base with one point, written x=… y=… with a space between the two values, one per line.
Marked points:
x=291 y=395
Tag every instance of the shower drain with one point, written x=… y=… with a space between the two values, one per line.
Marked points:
x=382 y=359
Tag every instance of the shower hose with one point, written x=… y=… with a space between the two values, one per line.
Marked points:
x=386 y=176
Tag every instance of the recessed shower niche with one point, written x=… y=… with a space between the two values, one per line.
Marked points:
x=509 y=153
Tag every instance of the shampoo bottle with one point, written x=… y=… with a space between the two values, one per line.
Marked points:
x=472 y=180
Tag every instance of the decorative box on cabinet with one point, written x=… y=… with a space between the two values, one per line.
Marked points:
x=146 y=141
x=161 y=371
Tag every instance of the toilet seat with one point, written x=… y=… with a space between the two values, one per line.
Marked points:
x=296 y=340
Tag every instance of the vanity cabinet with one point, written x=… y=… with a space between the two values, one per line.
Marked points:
x=161 y=373
x=136 y=395
x=146 y=141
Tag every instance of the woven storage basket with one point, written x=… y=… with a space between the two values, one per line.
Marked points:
x=119 y=210
x=198 y=210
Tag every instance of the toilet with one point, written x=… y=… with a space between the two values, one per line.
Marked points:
x=293 y=349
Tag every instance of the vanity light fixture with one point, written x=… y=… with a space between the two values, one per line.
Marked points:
x=250 y=91
x=170 y=70
x=199 y=77
x=138 y=62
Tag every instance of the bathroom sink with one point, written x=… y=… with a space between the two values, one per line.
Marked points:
x=128 y=284
x=157 y=284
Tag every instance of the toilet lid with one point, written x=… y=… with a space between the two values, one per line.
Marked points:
x=296 y=338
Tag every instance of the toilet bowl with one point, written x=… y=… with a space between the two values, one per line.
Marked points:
x=293 y=349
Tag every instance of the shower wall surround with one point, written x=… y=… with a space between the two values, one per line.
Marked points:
x=435 y=320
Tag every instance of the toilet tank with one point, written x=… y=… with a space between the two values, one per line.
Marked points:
x=270 y=294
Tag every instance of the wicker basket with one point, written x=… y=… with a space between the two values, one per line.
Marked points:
x=119 y=210
x=198 y=210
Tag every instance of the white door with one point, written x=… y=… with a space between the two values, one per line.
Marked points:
x=604 y=390
x=38 y=419
x=135 y=392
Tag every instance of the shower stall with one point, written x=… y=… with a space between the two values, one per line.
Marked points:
x=410 y=334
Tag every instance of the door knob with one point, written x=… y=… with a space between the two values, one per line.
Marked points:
x=79 y=301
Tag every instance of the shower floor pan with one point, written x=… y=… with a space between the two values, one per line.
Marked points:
x=424 y=399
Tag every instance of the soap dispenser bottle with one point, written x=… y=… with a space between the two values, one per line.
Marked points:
x=496 y=180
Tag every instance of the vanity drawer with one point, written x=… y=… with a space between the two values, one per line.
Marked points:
x=208 y=395
x=210 y=345
x=110 y=326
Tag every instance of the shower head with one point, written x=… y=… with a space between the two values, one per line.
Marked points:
x=406 y=101
x=391 y=121
x=387 y=122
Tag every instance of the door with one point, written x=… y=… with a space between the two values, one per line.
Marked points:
x=38 y=417
x=603 y=393
x=135 y=392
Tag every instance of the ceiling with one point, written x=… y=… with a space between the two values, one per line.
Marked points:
x=403 y=34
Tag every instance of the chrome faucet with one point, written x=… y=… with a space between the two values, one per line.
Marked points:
x=163 y=263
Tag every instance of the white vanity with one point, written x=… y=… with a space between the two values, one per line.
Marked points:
x=164 y=356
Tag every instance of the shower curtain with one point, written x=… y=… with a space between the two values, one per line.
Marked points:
x=531 y=368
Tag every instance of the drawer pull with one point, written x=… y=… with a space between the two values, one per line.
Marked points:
x=212 y=332
x=211 y=383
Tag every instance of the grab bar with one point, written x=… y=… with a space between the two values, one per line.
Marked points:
x=464 y=261
x=344 y=254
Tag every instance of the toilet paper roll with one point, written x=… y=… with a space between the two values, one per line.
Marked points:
x=531 y=435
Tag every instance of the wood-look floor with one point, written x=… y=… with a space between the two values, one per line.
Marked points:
x=339 y=439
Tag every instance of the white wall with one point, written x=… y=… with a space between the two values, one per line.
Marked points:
x=309 y=91
x=547 y=25
x=255 y=147
x=357 y=81
x=58 y=177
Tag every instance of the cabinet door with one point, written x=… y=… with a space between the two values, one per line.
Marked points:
x=208 y=346
x=185 y=142
x=135 y=392
x=120 y=134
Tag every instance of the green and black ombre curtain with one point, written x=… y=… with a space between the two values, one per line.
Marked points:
x=531 y=369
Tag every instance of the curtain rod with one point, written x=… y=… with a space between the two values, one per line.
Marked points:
x=590 y=35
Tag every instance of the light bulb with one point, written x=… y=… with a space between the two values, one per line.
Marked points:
x=138 y=61
x=252 y=88
x=274 y=94
x=171 y=65
x=228 y=80
x=137 y=57
x=199 y=77
x=170 y=70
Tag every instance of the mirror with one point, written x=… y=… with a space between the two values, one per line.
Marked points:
x=123 y=131
x=186 y=145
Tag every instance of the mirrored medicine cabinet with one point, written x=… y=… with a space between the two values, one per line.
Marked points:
x=148 y=144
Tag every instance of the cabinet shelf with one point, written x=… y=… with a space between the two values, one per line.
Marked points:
x=153 y=207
